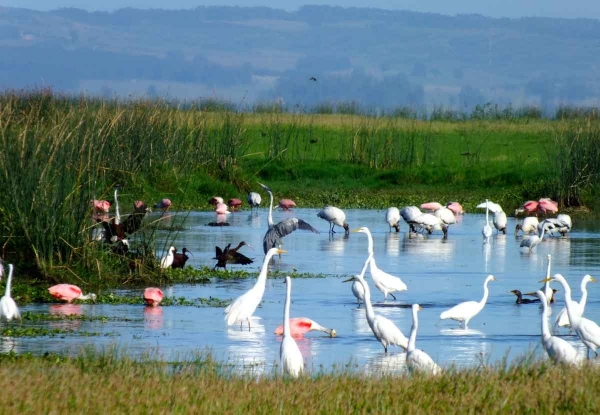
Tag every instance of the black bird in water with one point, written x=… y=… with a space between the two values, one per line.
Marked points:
x=521 y=300
x=231 y=256
x=180 y=259
x=312 y=78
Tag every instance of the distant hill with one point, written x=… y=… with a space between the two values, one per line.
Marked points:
x=378 y=58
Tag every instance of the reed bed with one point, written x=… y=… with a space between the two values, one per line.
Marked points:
x=111 y=383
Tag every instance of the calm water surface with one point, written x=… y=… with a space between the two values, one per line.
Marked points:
x=439 y=274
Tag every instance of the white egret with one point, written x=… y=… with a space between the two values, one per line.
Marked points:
x=357 y=288
x=275 y=233
x=392 y=217
x=385 y=282
x=244 y=306
x=117 y=218
x=254 y=200
x=383 y=328
x=529 y=225
x=465 y=311
x=587 y=330
x=335 y=216
x=562 y=319
x=167 y=260
x=292 y=362
x=8 y=307
x=487 y=229
x=417 y=360
x=548 y=292
x=559 y=350
x=532 y=241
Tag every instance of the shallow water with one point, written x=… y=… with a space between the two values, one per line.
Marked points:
x=439 y=274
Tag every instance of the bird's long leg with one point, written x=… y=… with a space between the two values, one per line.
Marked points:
x=248 y=323
x=331 y=227
x=393 y=296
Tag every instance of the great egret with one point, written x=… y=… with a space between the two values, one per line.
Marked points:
x=244 y=306
x=275 y=233
x=179 y=259
x=562 y=319
x=529 y=225
x=254 y=200
x=167 y=260
x=587 y=330
x=384 y=329
x=465 y=311
x=385 y=282
x=117 y=218
x=231 y=256
x=392 y=217
x=559 y=350
x=8 y=307
x=302 y=325
x=235 y=204
x=292 y=362
x=521 y=300
x=417 y=360
x=69 y=293
x=153 y=296
x=335 y=216
x=357 y=288
x=487 y=229
x=532 y=241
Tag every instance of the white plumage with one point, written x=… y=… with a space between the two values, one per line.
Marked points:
x=292 y=362
x=167 y=260
x=417 y=360
x=561 y=224
x=487 y=229
x=559 y=350
x=500 y=221
x=392 y=217
x=562 y=319
x=254 y=199
x=409 y=214
x=357 y=288
x=8 y=307
x=335 y=216
x=464 y=312
x=529 y=225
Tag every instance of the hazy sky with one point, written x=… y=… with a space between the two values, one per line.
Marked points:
x=494 y=8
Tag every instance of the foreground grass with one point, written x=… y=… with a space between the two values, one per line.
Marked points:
x=109 y=383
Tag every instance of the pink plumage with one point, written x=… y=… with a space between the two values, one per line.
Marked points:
x=221 y=209
x=433 y=206
x=215 y=200
x=153 y=296
x=301 y=325
x=65 y=292
x=163 y=204
x=546 y=205
x=234 y=204
x=101 y=205
x=455 y=207
x=287 y=204
x=530 y=206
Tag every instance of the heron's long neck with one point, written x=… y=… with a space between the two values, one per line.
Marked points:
x=270 y=217
x=486 y=292
x=413 y=331
x=117 y=212
x=368 y=307
x=584 y=295
x=486 y=213
x=261 y=281
x=574 y=317
x=545 y=329
x=364 y=268
x=370 y=246
x=286 y=309
x=9 y=281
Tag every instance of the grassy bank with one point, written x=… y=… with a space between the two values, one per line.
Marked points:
x=59 y=153
x=109 y=383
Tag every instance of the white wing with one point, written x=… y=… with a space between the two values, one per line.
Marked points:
x=493 y=207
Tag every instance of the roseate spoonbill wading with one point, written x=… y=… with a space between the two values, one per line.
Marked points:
x=274 y=235
x=235 y=204
x=465 y=311
x=301 y=325
x=559 y=350
x=231 y=256
x=153 y=296
x=292 y=362
x=8 y=307
x=244 y=306
x=392 y=217
x=562 y=319
x=69 y=293
x=254 y=199
x=417 y=360
x=335 y=216
x=286 y=204
x=383 y=328
x=222 y=209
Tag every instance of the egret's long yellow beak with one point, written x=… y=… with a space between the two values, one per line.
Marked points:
x=592 y=279
x=419 y=308
x=281 y=251
x=546 y=279
x=356 y=230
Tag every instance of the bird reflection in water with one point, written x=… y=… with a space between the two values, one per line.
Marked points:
x=392 y=244
x=153 y=318
x=248 y=349
x=383 y=364
x=65 y=310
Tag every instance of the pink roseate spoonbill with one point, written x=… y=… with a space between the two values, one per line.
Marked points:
x=153 y=296
x=69 y=292
x=231 y=256
x=286 y=204
x=335 y=216
x=222 y=209
x=275 y=233
x=302 y=325
x=529 y=225
x=234 y=204
x=464 y=312
x=432 y=206
x=100 y=206
x=179 y=259
x=529 y=207
x=546 y=205
x=392 y=217
x=215 y=200
x=292 y=362
x=164 y=204
x=8 y=307
x=455 y=207
x=167 y=260
x=254 y=199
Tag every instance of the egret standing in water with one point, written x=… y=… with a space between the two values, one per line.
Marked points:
x=167 y=260
x=357 y=288
x=562 y=319
x=465 y=311
x=559 y=350
x=244 y=306
x=292 y=362
x=8 y=307
x=417 y=360
x=383 y=328
x=487 y=229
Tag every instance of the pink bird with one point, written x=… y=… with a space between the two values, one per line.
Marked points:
x=287 y=204
x=215 y=200
x=455 y=207
x=221 y=209
x=163 y=204
x=529 y=207
x=546 y=205
x=432 y=206
x=301 y=325
x=101 y=205
x=234 y=204
x=69 y=292
x=153 y=296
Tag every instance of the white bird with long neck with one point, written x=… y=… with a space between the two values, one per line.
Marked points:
x=117 y=211
x=562 y=319
x=587 y=330
x=8 y=307
x=357 y=288
x=292 y=362
x=385 y=282
x=559 y=350
x=533 y=240
x=383 y=328
x=167 y=260
x=244 y=306
x=465 y=311
x=487 y=229
x=417 y=360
